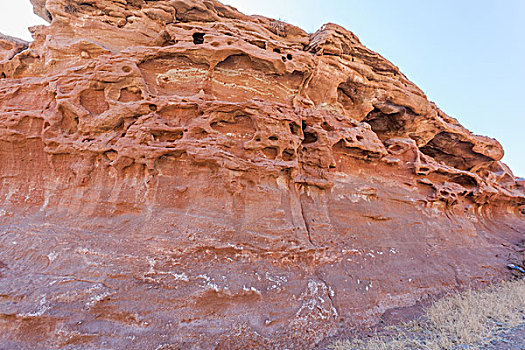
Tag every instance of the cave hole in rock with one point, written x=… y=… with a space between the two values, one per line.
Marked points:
x=448 y=148
x=271 y=152
x=309 y=136
x=198 y=38
x=277 y=50
x=3 y=76
x=94 y=100
x=359 y=138
x=396 y=149
x=347 y=95
x=294 y=128
x=167 y=136
x=152 y=107
x=465 y=180
x=130 y=94
x=283 y=58
x=111 y=155
x=423 y=170
x=288 y=155
x=289 y=57
x=200 y=133
x=355 y=152
x=385 y=125
x=87 y=4
x=126 y=69
x=273 y=138
x=327 y=127
x=259 y=43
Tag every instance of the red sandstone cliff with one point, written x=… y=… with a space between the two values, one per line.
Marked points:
x=175 y=174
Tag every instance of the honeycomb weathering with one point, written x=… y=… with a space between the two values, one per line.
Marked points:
x=175 y=174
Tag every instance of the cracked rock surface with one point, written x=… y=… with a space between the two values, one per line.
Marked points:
x=176 y=174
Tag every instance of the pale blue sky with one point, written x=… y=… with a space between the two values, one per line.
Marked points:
x=467 y=55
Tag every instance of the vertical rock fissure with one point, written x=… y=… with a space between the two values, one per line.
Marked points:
x=305 y=221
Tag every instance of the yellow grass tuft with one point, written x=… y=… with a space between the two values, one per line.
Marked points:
x=471 y=318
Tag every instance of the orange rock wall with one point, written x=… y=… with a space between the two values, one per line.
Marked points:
x=175 y=174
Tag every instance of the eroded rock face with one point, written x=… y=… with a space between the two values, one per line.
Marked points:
x=175 y=174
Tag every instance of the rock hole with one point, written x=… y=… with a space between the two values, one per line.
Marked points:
x=450 y=149
x=271 y=152
x=286 y=172
x=273 y=138
x=288 y=155
x=396 y=149
x=167 y=136
x=258 y=139
x=326 y=126
x=465 y=180
x=354 y=152
x=259 y=43
x=94 y=101
x=289 y=57
x=152 y=107
x=130 y=94
x=199 y=133
x=294 y=128
x=198 y=38
x=3 y=76
x=386 y=125
x=346 y=96
x=277 y=50
x=359 y=138
x=283 y=58
x=111 y=155
x=309 y=137
x=126 y=69
x=46 y=125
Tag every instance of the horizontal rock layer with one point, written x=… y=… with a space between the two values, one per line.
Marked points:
x=175 y=174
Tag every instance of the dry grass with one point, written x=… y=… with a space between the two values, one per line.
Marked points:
x=472 y=318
